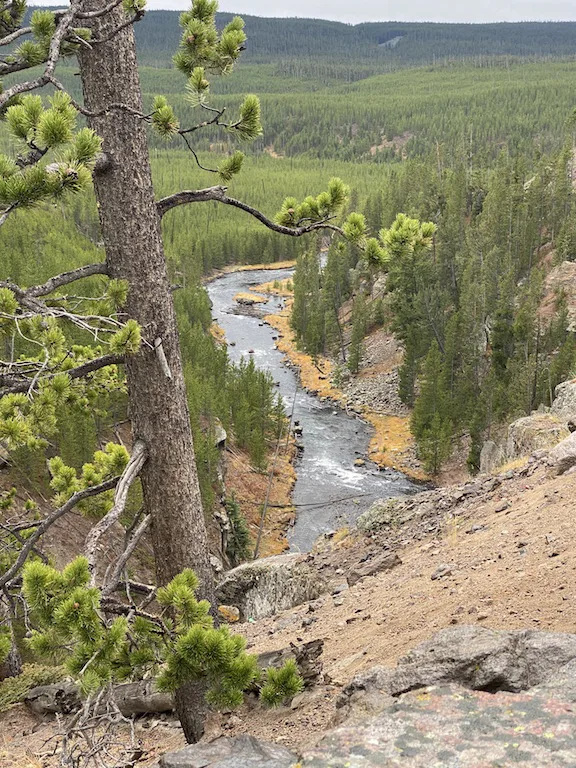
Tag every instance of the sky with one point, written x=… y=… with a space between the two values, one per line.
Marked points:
x=386 y=10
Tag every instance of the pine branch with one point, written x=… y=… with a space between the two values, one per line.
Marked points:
x=64 y=23
x=79 y=372
x=66 y=278
x=219 y=195
x=48 y=521
x=137 y=461
x=15 y=35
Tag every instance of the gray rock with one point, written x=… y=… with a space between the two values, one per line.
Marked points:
x=270 y=585
x=441 y=572
x=563 y=456
x=382 y=514
x=451 y=727
x=383 y=562
x=540 y=431
x=238 y=752
x=561 y=685
x=492 y=456
x=564 y=405
x=471 y=656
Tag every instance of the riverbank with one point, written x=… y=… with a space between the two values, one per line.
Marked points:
x=249 y=488
x=392 y=444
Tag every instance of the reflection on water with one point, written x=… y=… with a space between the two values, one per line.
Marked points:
x=330 y=491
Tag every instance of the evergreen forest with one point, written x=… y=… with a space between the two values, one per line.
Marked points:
x=468 y=127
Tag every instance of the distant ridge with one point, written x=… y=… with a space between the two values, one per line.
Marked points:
x=384 y=44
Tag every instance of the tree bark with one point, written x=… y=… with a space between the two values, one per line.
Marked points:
x=12 y=665
x=134 y=252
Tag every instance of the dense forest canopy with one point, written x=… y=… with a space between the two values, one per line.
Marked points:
x=385 y=45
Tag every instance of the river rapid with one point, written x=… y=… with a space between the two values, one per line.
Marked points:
x=330 y=492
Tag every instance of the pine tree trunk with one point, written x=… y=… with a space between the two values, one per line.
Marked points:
x=12 y=665
x=134 y=252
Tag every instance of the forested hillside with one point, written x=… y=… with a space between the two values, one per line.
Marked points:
x=433 y=120
x=376 y=47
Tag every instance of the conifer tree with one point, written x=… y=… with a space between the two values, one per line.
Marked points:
x=430 y=422
x=137 y=317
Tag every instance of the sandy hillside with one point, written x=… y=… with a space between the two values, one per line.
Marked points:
x=511 y=556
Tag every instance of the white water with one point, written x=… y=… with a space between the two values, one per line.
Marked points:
x=330 y=491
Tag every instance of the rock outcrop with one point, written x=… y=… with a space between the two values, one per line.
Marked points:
x=563 y=456
x=540 y=431
x=467 y=698
x=474 y=657
x=564 y=405
x=272 y=584
x=239 y=752
x=456 y=728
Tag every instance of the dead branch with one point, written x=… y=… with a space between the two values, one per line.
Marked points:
x=114 y=579
x=137 y=460
x=48 y=521
x=66 y=278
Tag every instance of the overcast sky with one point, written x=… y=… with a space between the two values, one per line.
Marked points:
x=386 y=10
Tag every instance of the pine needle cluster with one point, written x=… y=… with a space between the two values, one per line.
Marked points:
x=313 y=209
x=177 y=645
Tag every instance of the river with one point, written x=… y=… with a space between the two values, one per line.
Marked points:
x=330 y=491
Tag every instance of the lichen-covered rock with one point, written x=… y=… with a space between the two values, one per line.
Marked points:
x=270 y=585
x=564 y=405
x=492 y=456
x=540 y=431
x=456 y=728
x=471 y=656
x=238 y=752
x=382 y=514
x=561 y=685
x=563 y=456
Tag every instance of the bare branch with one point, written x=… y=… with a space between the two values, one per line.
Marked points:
x=101 y=12
x=48 y=521
x=114 y=579
x=219 y=195
x=215 y=121
x=7 y=213
x=15 y=35
x=196 y=158
x=66 y=278
x=137 y=460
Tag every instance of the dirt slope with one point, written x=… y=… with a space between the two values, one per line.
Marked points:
x=510 y=569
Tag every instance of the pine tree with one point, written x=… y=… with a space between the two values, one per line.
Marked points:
x=430 y=422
